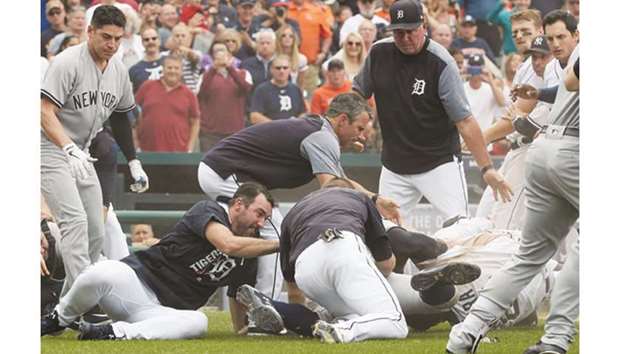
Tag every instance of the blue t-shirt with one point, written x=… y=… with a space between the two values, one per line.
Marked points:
x=278 y=102
x=145 y=70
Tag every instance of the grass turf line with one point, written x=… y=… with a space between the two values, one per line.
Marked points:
x=221 y=340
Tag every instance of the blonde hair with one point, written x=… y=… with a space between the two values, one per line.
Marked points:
x=531 y=15
x=352 y=65
x=229 y=33
x=293 y=57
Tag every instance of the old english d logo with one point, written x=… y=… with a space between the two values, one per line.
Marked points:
x=418 y=87
x=400 y=14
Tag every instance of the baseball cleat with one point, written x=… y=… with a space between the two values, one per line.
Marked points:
x=327 y=332
x=469 y=349
x=453 y=273
x=50 y=324
x=263 y=318
x=544 y=348
x=90 y=331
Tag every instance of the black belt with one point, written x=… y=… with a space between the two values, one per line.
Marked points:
x=559 y=130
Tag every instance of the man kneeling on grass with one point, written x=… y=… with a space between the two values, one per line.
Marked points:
x=155 y=293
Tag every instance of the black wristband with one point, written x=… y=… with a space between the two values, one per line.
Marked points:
x=486 y=168
x=374 y=198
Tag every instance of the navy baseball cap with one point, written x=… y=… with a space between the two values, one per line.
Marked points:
x=468 y=20
x=406 y=14
x=539 y=45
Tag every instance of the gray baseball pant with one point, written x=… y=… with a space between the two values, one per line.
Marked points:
x=77 y=207
x=552 y=191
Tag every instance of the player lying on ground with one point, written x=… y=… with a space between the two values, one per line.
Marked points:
x=335 y=251
x=155 y=293
x=469 y=241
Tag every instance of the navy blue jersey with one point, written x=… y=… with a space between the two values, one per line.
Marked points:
x=278 y=102
x=145 y=70
x=184 y=269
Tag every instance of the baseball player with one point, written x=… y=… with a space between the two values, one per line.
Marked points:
x=288 y=153
x=422 y=110
x=156 y=293
x=82 y=88
x=552 y=177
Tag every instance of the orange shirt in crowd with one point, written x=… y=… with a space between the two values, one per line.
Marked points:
x=324 y=95
x=313 y=25
x=384 y=14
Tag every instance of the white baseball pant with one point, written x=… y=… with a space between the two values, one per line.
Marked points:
x=268 y=266
x=444 y=187
x=342 y=277
x=131 y=304
x=114 y=242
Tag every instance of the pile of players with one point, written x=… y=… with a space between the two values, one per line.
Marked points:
x=350 y=271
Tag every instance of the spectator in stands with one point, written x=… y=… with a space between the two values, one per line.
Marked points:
x=199 y=23
x=335 y=84
x=276 y=17
x=572 y=6
x=501 y=16
x=120 y=5
x=368 y=31
x=247 y=28
x=55 y=14
x=170 y=119
x=546 y=6
x=222 y=97
x=511 y=63
x=277 y=98
x=316 y=37
x=352 y=55
x=131 y=50
x=76 y=26
x=150 y=67
x=287 y=43
x=258 y=65
x=469 y=43
x=142 y=236
x=149 y=11
x=168 y=18
x=479 y=10
x=443 y=35
x=69 y=41
x=222 y=13
x=441 y=12
x=207 y=59
x=180 y=45
x=384 y=10
x=341 y=14
x=367 y=11
x=483 y=92
x=459 y=58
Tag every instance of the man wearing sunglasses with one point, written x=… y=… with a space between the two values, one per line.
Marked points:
x=55 y=13
x=422 y=110
x=150 y=67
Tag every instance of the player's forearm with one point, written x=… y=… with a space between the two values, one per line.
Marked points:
x=258 y=118
x=51 y=125
x=470 y=131
x=248 y=247
x=498 y=130
x=193 y=133
x=295 y=295
x=360 y=188
x=386 y=266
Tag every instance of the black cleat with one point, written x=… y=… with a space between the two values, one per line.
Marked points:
x=50 y=325
x=263 y=318
x=543 y=348
x=449 y=274
x=96 y=332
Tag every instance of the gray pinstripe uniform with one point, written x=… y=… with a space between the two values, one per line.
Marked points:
x=552 y=191
x=86 y=97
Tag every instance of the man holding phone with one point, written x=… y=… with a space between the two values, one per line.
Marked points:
x=483 y=92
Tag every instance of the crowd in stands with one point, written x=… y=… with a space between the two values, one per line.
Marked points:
x=202 y=70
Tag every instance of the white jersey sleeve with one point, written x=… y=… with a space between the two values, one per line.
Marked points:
x=526 y=75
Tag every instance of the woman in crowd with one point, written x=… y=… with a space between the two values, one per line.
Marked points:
x=368 y=31
x=232 y=39
x=207 y=59
x=287 y=43
x=352 y=53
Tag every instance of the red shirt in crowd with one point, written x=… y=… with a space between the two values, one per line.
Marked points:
x=222 y=100
x=165 y=122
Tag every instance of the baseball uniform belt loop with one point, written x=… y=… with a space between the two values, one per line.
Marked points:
x=330 y=235
x=558 y=131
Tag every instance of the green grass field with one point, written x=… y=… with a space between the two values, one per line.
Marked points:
x=221 y=340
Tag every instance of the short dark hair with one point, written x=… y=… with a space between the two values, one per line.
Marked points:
x=339 y=183
x=248 y=191
x=350 y=103
x=561 y=15
x=454 y=51
x=335 y=64
x=108 y=15
x=172 y=57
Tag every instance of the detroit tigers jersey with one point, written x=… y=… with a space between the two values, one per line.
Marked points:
x=85 y=95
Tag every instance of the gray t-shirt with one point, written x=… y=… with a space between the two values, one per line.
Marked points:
x=565 y=111
x=85 y=95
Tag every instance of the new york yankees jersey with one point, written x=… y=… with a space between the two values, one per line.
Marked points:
x=554 y=73
x=526 y=75
x=85 y=95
